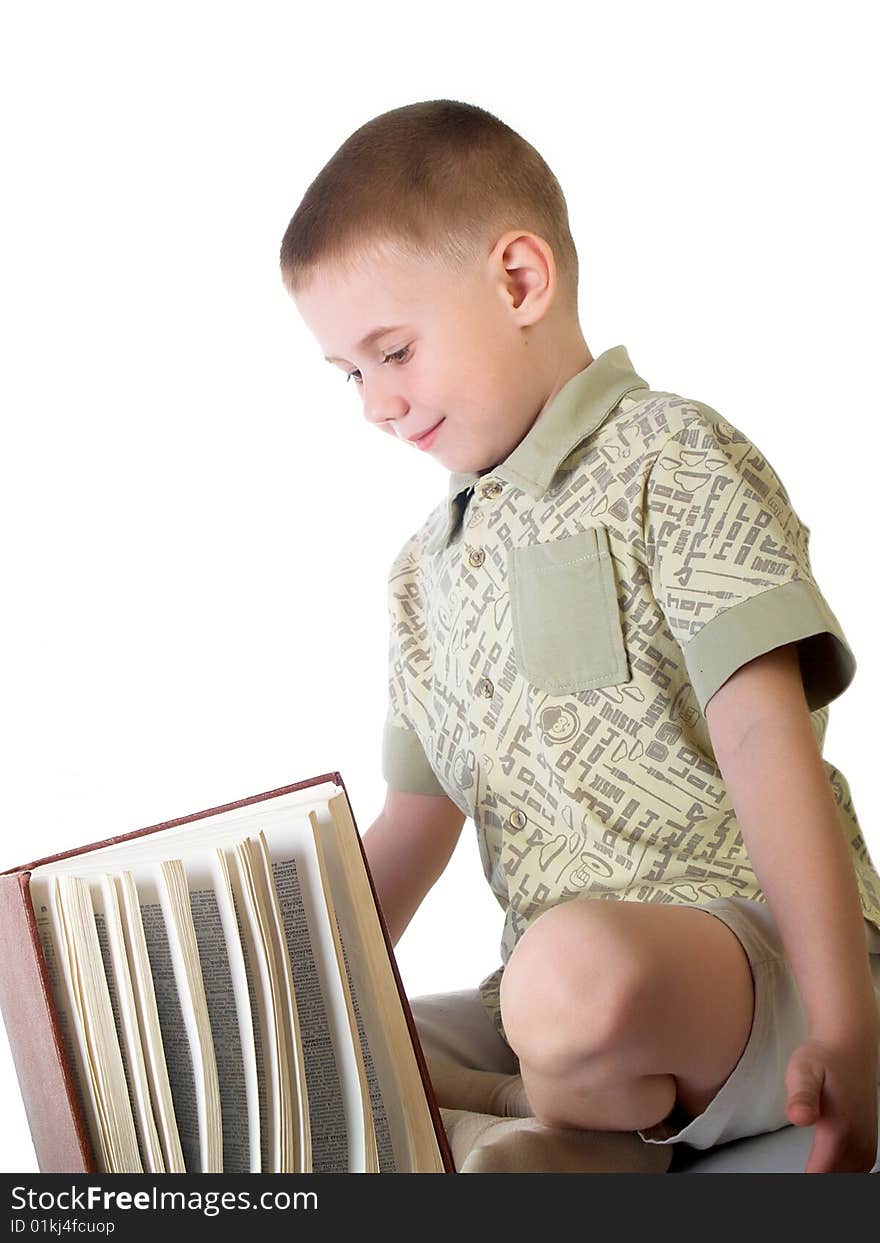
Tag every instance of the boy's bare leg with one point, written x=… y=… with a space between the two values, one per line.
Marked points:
x=619 y=1011
x=489 y=1124
x=482 y=1144
x=487 y=1119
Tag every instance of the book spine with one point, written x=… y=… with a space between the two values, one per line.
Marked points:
x=53 y=1111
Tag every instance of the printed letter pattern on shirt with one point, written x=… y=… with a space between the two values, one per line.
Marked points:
x=557 y=627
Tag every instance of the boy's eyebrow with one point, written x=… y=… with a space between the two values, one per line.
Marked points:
x=367 y=341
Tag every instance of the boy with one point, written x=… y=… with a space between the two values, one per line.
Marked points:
x=609 y=650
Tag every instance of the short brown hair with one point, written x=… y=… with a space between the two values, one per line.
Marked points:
x=437 y=179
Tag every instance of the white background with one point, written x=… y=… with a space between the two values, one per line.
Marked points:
x=190 y=613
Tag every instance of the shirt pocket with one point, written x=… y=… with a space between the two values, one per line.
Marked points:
x=567 y=632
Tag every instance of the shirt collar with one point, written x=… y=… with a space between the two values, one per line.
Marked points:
x=578 y=409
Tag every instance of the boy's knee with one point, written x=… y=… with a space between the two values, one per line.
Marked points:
x=562 y=996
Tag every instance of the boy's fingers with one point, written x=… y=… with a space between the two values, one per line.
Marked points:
x=801 y=1109
x=804 y=1084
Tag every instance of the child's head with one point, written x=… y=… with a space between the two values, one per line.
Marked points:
x=440 y=225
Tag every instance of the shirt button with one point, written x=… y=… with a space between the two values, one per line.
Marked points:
x=517 y=819
x=492 y=489
x=485 y=688
x=476 y=557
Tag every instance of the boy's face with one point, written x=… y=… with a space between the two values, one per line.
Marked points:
x=455 y=357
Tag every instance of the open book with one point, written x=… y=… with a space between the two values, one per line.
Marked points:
x=216 y=993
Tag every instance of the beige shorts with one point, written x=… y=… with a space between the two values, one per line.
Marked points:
x=752 y=1099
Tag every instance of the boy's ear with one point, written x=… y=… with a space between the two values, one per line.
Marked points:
x=525 y=271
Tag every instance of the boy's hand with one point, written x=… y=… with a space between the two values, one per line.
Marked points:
x=832 y=1085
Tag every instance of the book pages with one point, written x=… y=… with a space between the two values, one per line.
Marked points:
x=147 y=1011
x=227 y=1000
x=111 y=938
x=93 y=1009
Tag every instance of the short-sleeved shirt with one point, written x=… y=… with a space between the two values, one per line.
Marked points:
x=557 y=626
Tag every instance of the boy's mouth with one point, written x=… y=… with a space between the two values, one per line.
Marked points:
x=423 y=441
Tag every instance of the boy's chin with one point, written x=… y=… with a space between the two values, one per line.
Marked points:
x=464 y=464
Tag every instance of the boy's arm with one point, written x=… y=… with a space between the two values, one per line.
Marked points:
x=763 y=738
x=764 y=743
x=407 y=848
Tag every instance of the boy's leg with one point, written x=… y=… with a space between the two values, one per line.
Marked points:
x=482 y=1091
x=482 y=1144
x=621 y=1011
x=470 y=1065
x=485 y=1110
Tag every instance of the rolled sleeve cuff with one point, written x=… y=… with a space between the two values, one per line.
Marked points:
x=792 y=612
x=404 y=763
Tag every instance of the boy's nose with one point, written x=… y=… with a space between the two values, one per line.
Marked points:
x=384 y=407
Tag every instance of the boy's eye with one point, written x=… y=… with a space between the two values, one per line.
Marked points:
x=399 y=356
